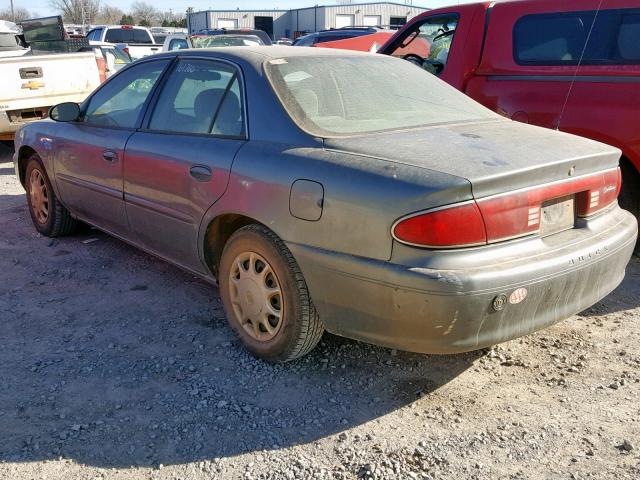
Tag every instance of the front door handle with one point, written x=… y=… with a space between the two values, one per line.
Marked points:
x=110 y=156
x=201 y=173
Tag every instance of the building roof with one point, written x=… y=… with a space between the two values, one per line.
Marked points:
x=313 y=6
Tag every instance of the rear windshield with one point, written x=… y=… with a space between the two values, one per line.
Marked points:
x=347 y=95
x=127 y=35
x=225 y=41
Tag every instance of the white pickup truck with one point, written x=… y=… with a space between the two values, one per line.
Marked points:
x=136 y=41
x=31 y=84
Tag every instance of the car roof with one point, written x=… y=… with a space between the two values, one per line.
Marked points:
x=258 y=55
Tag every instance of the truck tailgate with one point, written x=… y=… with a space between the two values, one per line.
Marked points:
x=38 y=80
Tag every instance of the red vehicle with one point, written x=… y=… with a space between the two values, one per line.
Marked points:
x=567 y=65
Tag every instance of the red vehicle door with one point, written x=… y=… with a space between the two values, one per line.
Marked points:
x=530 y=58
x=605 y=96
x=446 y=42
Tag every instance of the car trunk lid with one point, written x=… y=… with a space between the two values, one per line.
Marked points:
x=495 y=156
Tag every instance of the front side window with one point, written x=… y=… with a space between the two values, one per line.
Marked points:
x=120 y=101
x=202 y=97
x=561 y=38
x=95 y=34
x=178 y=44
x=427 y=43
x=342 y=95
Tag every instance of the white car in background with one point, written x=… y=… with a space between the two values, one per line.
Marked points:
x=31 y=84
x=181 y=41
x=138 y=42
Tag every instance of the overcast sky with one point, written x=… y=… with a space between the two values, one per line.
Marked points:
x=43 y=8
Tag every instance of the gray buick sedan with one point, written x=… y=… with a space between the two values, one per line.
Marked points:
x=339 y=191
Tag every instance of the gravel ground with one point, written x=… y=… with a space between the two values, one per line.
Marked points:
x=116 y=365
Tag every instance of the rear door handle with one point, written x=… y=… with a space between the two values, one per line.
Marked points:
x=200 y=173
x=110 y=156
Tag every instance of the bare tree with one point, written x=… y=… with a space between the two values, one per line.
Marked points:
x=109 y=15
x=144 y=13
x=19 y=14
x=72 y=10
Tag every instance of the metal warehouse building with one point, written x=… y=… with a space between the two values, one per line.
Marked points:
x=293 y=23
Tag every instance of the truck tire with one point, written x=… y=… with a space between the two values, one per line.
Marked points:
x=265 y=296
x=630 y=193
x=49 y=216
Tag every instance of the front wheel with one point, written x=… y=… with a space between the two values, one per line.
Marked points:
x=265 y=296
x=49 y=216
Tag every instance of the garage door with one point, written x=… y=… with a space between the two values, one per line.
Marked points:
x=228 y=23
x=345 y=21
x=372 y=20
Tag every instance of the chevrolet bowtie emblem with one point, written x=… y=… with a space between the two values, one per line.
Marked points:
x=33 y=85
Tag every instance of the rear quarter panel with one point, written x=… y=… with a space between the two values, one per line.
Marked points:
x=362 y=196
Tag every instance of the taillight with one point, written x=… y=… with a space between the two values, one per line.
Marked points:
x=456 y=226
x=505 y=216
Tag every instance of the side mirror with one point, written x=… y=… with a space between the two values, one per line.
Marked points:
x=65 y=112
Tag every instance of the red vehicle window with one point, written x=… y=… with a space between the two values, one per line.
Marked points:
x=560 y=38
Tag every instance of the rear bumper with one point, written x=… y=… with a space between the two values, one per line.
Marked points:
x=442 y=302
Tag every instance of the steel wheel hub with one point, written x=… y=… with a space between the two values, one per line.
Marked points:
x=39 y=196
x=256 y=296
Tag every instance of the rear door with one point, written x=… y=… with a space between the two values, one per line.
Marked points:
x=90 y=153
x=531 y=54
x=178 y=165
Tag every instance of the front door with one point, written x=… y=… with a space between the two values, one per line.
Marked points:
x=178 y=164
x=90 y=153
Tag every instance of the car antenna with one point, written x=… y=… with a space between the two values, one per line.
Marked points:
x=575 y=73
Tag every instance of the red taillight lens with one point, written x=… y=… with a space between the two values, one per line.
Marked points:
x=454 y=227
x=604 y=190
x=505 y=216
x=515 y=214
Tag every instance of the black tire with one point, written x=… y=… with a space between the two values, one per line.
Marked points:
x=58 y=221
x=630 y=193
x=299 y=328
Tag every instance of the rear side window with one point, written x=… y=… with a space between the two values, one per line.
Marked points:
x=202 y=97
x=605 y=37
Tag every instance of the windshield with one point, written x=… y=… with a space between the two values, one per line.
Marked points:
x=9 y=41
x=343 y=95
x=225 y=41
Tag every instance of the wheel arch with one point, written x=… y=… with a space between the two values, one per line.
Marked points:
x=218 y=232
x=24 y=154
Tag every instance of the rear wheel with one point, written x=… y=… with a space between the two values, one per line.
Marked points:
x=49 y=216
x=265 y=296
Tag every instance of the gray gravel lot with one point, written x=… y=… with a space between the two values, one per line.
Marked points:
x=114 y=364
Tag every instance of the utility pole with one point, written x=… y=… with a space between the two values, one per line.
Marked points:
x=13 y=15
